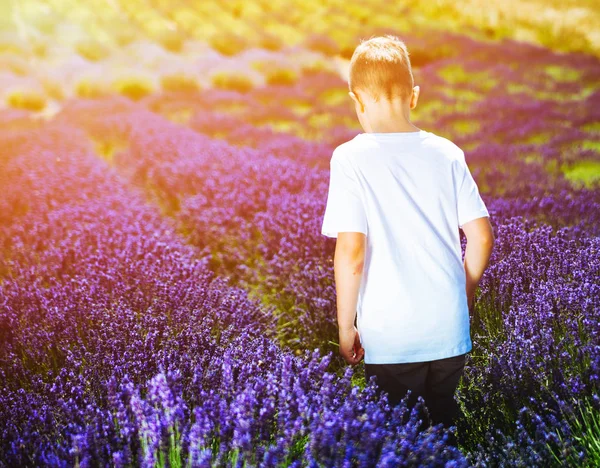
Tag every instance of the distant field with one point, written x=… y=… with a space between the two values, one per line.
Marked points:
x=571 y=25
x=166 y=297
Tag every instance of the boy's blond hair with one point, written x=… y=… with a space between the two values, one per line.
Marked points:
x=380 y=66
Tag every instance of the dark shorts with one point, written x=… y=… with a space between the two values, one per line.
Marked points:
x=436 y=381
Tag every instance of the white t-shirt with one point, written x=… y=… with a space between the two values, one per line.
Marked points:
x=409 y=192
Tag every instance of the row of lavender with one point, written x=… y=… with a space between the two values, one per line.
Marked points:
x=259 y=216
x=118 y=346
x=480 y=93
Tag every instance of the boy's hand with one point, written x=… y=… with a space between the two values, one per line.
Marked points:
x=471 y=300
x=350 y=346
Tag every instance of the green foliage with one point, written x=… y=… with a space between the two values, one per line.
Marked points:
x=28 y=100
x=316 y=67
x=536 y=138
x=53 y=88
x=39 y=48
x=559 y=37
x=133 y=88
x=335 y=96
x=591 y=145
x=11 y=47
x=421 y=56
x=466 y=126
x=584 y=423
x=455 y=73
x=89 y=89
x=322 y=43
x=346 y=51
x=92 y=50
x=228 y=44
x=586 y=172
x=171 y=40
x=106 y=148
x=297 y=450
x=281 y=76
x=232 y=81
x=14 y=64
x=592 y=127
x=179 y=82
x=270 y=42
x=559 y=73
x=124 y=36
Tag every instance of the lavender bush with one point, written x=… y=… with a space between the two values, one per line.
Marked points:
x=287 y=226
x=164 y=306
x=120 y=347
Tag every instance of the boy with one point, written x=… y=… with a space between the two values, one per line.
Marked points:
x=397 y=198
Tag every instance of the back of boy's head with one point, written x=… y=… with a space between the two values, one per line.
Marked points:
x=380 y=67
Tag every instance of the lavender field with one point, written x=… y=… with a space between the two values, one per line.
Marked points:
x=166 y=297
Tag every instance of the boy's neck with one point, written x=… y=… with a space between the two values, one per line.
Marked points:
x=389 y=119
x=387 y=116
x=391 y=128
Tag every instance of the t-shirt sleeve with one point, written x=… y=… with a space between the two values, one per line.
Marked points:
x=470 y=203
x=344 y=211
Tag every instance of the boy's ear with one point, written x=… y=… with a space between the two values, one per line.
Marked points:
x=355 y=98
x=415 y=96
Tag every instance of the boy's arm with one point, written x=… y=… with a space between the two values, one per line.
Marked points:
x=348 y=266
x=346 y=218
x=480 y=243
x=474 y=220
